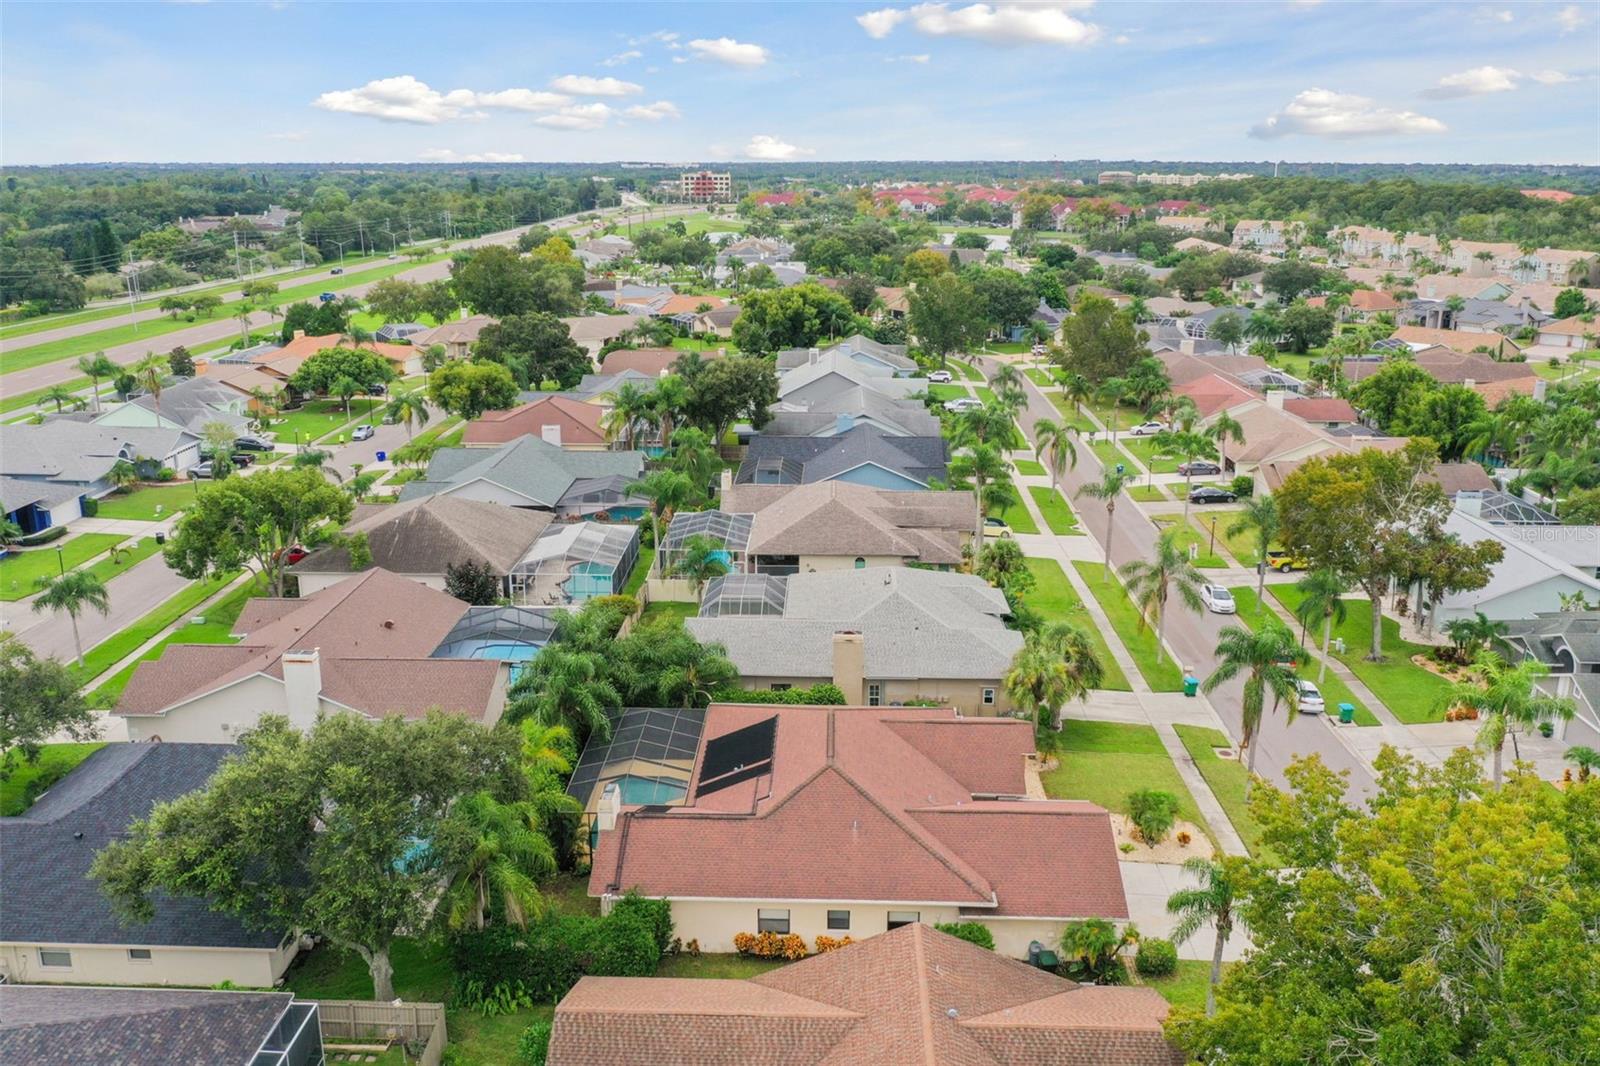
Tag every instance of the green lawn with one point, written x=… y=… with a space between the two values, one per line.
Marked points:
x=317 y=418
x=942 y=392
x=966 y=370
x=1057 y=515
x=1226 y=778
x=1410 y=692
x=1103 y=762
x=20 y=570
x=1155 y=460
x=137 y=551
x=1189 y=536
x=27 y=780
x=140 y=504
x=1030 y=467
x=1163 y=676
x=676 y=611
x=1017 y=516
x=1040 y=377
x=1070 y=417
x=1149 y=494
x=215 y=630
x=1334 y=690
x=984 y=393
x=1111 y=457
x=641 y=572
x=1187 y=987
x=1242 y=545
x=1054 y=597
x=692 y=224
x=1126 y=416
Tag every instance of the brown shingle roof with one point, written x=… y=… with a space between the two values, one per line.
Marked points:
x=579 y=422
x=1321 y=409
x=913 y=995
x=652 y=361
x=843 y=518
x=424 y=535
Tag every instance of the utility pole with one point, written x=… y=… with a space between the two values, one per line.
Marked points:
x=238 y=269
x=300 y=233
x=361 y=234
x=390 y=232
x=133 y=299
x=340 y=245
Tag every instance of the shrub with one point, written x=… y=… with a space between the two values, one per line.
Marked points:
x=1090 y=949
x=1243 y=485
x=623 y=605
x=972 y=932
x=655 y=913
x=91 y=507
x=693 y=948
x=625 y=946
x=534 y=1044
x=770 y=945
x=1153 y=811
x=826 y=943
x=166 y=473
x=821 y=694
x=1184 y=839
x=44 y=536
x=1156 y=958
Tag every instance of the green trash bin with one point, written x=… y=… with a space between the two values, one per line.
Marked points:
x=1347 y=713
x=1191 y=685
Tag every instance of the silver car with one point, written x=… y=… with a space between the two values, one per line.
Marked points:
x=362 y=432
x=1310 y=698
x=1218 y=600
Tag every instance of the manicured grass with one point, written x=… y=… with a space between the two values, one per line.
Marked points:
x=317 y=418
x=1054 y=597
x=1163 y=676
x=984 y=393
x=725 y=967
x=641 y=572
x=137 y=551
x=140 y=504
x=27 y=781
x=1242 y=545
x=1226 y=778
x=452 y=438
x=1111 y=457
x=1040 y=377
x=215 y=630
x=1030 y=467
x=1103 y=762
x=20 y=570
x=1154 y=459
x=1057 y=515
x=371 y=322
x=673 y=611
x=1334 y=690
x=966 y=370
x=692 y=224
x=1410 y=692
x=1126 y=416
x=1070 y=417
x=1189 y=536
x=1186 y=987
x=945 y=391
x=1149 y=494
x=1017 y=516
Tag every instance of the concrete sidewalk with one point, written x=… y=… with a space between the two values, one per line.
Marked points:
x=1148 y=885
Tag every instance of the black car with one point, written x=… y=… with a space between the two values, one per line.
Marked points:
x=1199 y=466
x=242 y=459
x=252 y=444
x=1209 y=494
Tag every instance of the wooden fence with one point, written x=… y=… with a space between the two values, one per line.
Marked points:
x=358 y=1020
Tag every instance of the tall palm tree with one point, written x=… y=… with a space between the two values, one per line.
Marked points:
x=667 y=402
x=696 y=457
x=499 y=858
x=71 y=593
x=567 y=688
x=345 y=388
x=1260 y=516
x=1321 y=593
x=1113 y=391
x=408 y=408
x=1150 y=584
x=1076 y=648
x=691 y=682
x=545 y=750
x=1508 y=699
x=1211 y=901
x=1224 y=428
x=1036 y=684
x=94 y=367
x=982 y=464
x=1075 y=387
x=1006 y=377
x=1188 y=446
x=1106 y=490
x=1054 y=446
x=667 y=490
x=319 y=460
x=60 y=395
x=1260 y=656
x=700 y=559
x=630 y=407
x=151 y=373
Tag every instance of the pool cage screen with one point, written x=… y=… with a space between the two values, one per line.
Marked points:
x=573 y=563
x=744 y=594
x=732 y=531
x=650 y=755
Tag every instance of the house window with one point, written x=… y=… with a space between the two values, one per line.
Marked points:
x=899 y=918
x=55 y=959
x=861 y=564
x=874 y=695
x=988 y=697
x=772 y=921
x=138 y=954
x=780 y=686
x=838 y=919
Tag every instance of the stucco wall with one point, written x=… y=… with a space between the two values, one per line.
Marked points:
x=965 y=696
x=816 y=563
x=200 y=721
x=104 y=964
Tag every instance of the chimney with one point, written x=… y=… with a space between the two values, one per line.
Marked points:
x=551 y=434
x=302 y=686
x=727 y=479
x=814 y=355
x=1276 y=397
x=850 y=666
x=1470 y=502
x=610 y=805
x=1468 y=382
x=844 y=423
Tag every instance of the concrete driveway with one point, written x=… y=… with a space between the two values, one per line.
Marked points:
x=1148 y=885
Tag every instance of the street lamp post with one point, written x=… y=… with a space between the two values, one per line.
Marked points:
x=61 y=559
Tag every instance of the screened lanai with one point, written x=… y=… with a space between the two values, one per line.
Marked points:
x=650 y=755
x=732 y=531
x=744 y=594
x=510 y=634
x=574 y=562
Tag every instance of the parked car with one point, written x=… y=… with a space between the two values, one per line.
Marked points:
x=337 y=270
x=940 y=376
x=252 y=444
x=201 y=471
x=362 y=432
x=963 y=403
x=1148 y=429
x=242 y=459
x=379 y=389
x=1211 y=494
x=1310 y=697
x=1283 y=561
x=1218 y=600
x=1039 y=349
x=1199 y=466
x=290 y=556
x=996 y=527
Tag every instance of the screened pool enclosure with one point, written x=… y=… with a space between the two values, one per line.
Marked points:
x=575 y=562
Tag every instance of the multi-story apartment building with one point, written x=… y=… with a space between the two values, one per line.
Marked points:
x=706 y=186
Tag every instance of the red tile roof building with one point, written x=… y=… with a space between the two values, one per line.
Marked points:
x=556 y=419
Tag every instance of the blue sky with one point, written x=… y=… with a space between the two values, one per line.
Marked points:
x=298 y=81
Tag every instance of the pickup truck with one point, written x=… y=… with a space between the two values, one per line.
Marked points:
x=1285 y=561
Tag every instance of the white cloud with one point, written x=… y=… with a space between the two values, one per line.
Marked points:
x=577 y=117
x=729 y=51
x=921 y=58
x=1551 y=77
x=1121 y=38
x=654 y=112
x=584 y=85
x=450 y=155
x=763 y=146
x=287 y=135
x=1322 y=113
x=1570 y=18
x=680 y=59
x=664 y=36
x=1479 y=81
x=994 y=23
x=622 y=57
x=406 y=99
x=1490 y=14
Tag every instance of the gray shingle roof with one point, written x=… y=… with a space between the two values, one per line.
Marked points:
x=532 y=468
x=821 y=458
x=425 y=535
x=910 y=418
x=48 y=1025
x=80 y=452
x=49 y=897
x=193 y=403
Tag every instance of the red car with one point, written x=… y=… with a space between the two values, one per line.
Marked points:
x=291 y=556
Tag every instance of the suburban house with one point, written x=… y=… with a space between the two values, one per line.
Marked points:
x=558 y=420
x=1327 y=412
x=281 y=362
x=1542 y=564
x=1568 y=642
x=603 y=250
x=887 y=635
x=1573 y=333
x=365 y=645
x=52 y=1025
x=853 y=821
x=1266 y=235
x=864 y=454
x=829 y=525
x=458 y=336
x=911 y=995
x=1197 y=244
x=1441 y=287
x=63 y=462
x=532 y=472
x=1488 y=377
x=835 y=372
x=1185 y=223
x=650 y=361
x=1365 y=303
x=889 y=359
x=190 y=405
x=1419 y=338
x=57 y=927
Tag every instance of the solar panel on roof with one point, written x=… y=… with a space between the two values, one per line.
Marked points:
x=737 y=756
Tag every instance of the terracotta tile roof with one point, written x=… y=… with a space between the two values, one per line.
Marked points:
x=1372 y=300
x=652 y=361
x=1213 y=393
x=579 y=422
x=289 y=358
x=1456 y=340
x=872 y=804
x=912 y=995
x=1321 y=409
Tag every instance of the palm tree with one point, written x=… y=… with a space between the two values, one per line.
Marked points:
x=151 y=373
x=123 y=475
x=1508 y=698
x=1076 y=648
x=10 y=532
x=667 y=490
x=501 y=860
x=1106 y=490
x=1112 y=392
x=544 y=750
x=1321 y=593
x=1036 y=683
x=1223 y=429
x=71 y=593
x=407 y=408
x=345 y=388
x=630 y=407
x=1476 y=634
x=60 y=395
x=94 y=367
x=1150 y=584
x=1006 y=377
x=694 y=456
x=1211 y=901
x=319 y=460
x=1260 y=655
x=1260 y=516
x=700 y=559
x=567 y=688
x=1075 y=387
x=1585 y=758
x=1188 y=446
x=1054 y=446
x=691 y=683
x=667 y=402
x=982 y=464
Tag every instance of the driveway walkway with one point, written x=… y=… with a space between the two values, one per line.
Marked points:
x=1148 y=886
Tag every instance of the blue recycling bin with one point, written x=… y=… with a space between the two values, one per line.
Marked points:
x=382 y=456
